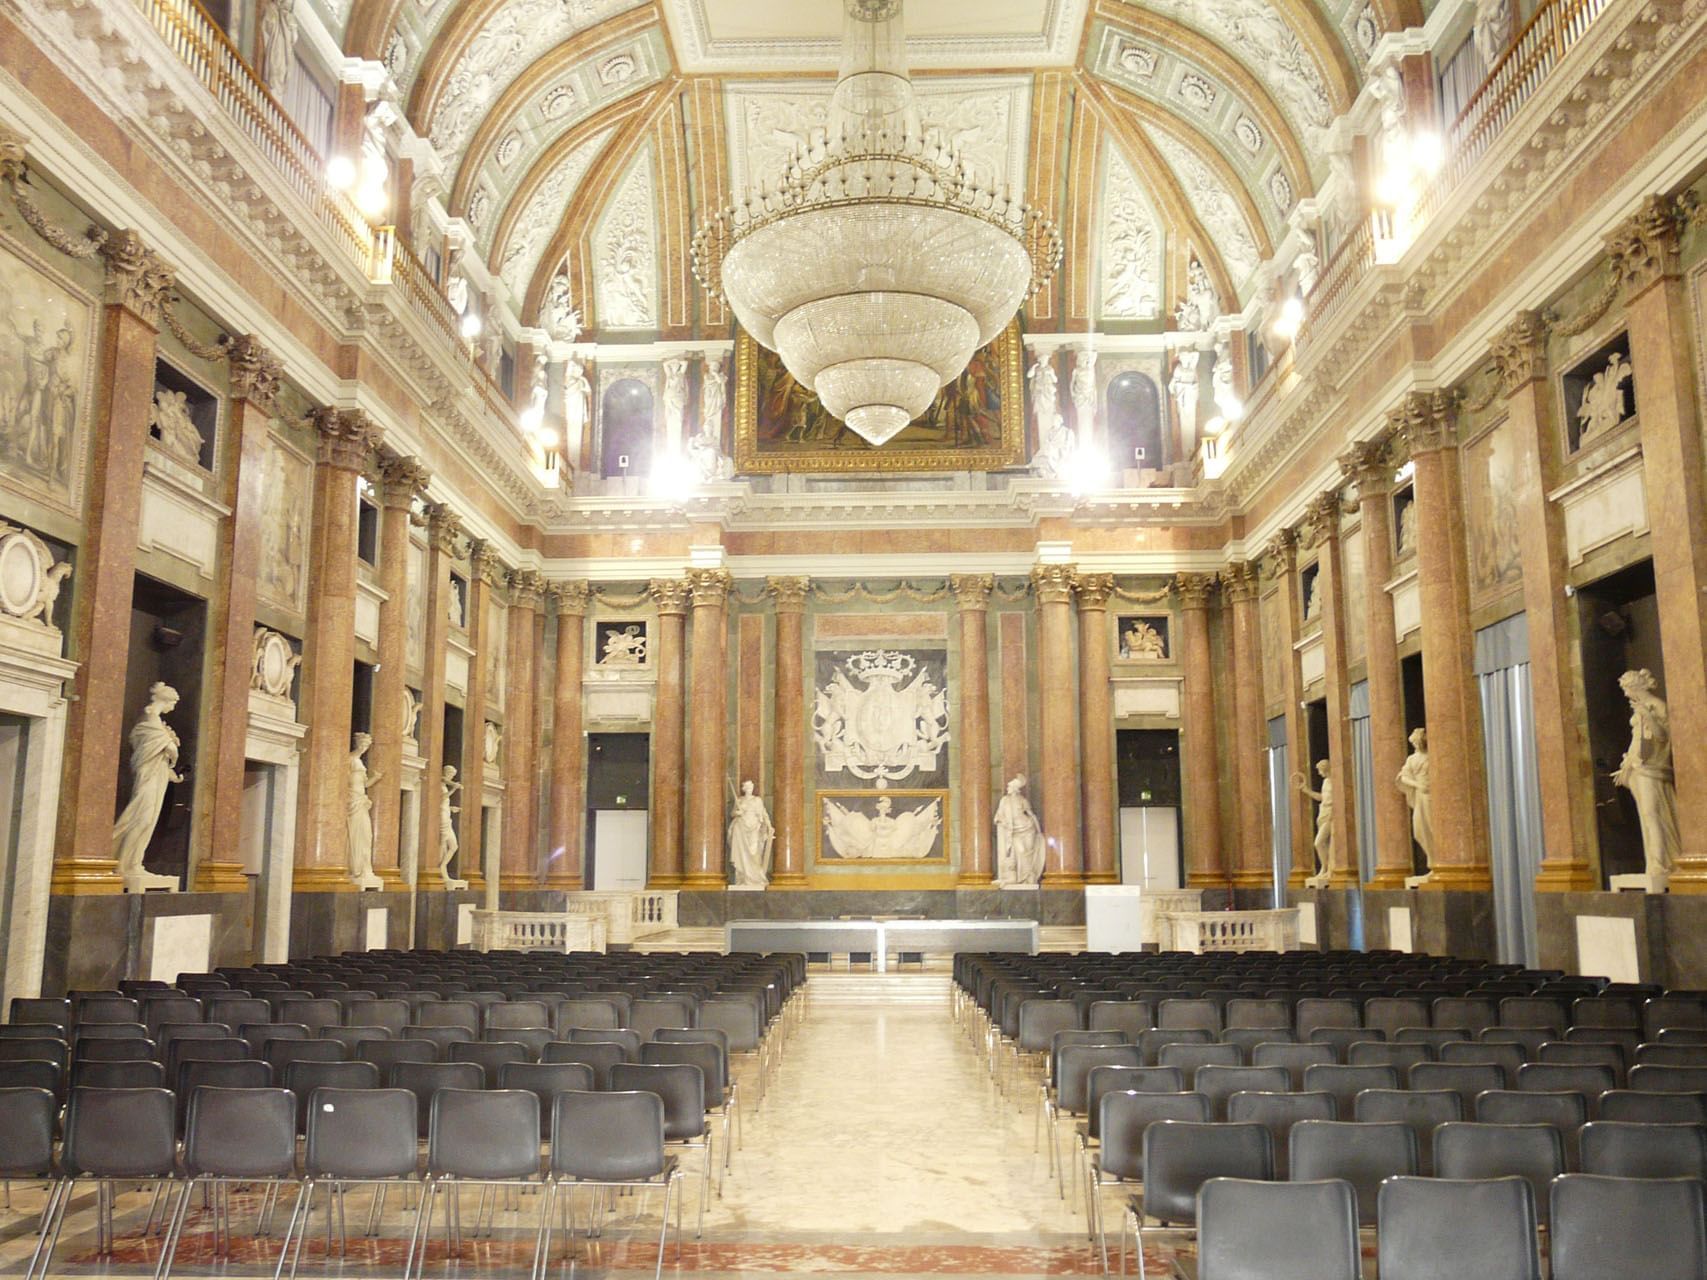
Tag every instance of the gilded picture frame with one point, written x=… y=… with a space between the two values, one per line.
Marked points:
x=996 y=372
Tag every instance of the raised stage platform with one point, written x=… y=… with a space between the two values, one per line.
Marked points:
x=880 y=937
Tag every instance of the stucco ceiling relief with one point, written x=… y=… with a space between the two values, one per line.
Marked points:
x=1130 y=245
x=540 y=215
x=625 y=253
x=1214 y=205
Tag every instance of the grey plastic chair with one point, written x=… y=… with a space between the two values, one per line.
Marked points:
x=1346 y=1082
x=1392 y=1013
x=1424 y=1110
x=1277 y=1231
x=627 y=1037
x=1439 y=1037
x=450 y=1013
x=490 y=1054
x=1466 y=1079
x=1590 y=1080
x=442 y=1037
x=1130 y=1017
x=1218 y=1084
x=480 y=1138
x=315 y=1014
x=118 y=1075
x=1363 y=1153
x=1278 y=1113
x=1124 y=1119
x=652 y=1012
x=1642 y=1107
x=1507 y=1057
x=607 y=1141
x=1192 y=1013
x=713 y=1064
x=601 y=1056
x=1440 y=1229
x=303 y=1078
x=127 y=1050
x=1189 y=1057
x=425 y=1079
x=518 y=1013
x=27 y=1120
x=1259 y=1012
x=1565 y=1111
x=1400 y=1055
x=1315 y=1012
x=386 y=1054
x=1295 y=1058
x=1179 y=1157
x=1534 y=1151
x=585 y=1011
x=1647 y=1227
x=546 y=1080
x=281 y=1054
x=1622 y=1150
x=1655 y=1078
x=682 y=1088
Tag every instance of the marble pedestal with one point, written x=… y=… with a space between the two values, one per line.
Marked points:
x=95 y=940
x=323 y=924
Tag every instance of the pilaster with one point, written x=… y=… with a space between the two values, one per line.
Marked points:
x=788 y=600
x=972 y=598
x=565 y=855
x=1322 y=531
x=669 y=767
x=444 y=538
x=521 y=862
x=708 y=700
x=1096 y=727
x=1252 y=864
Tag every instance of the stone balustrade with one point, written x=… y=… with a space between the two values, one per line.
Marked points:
x=1158 y=902
x=1200 y=932
x=629 y=914
x=538 y=931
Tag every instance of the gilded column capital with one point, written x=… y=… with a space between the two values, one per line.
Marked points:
x=1646 y=246
x=348 y=438
x=138 y=279
x=1321 y=519
x=1425 y=422
x=709 y=587
x=1194 y=589
x=671 y=595
x=527 y=589
x=14 y=155
x=444 y=528
x=788 y=595
x=971 y=590
x=1093 y=589
x=570 y=596
x=1368 y=464
x=255 y=372
x=1519 y=351
x=1053 y=583
x=1239 y=581
x=400 y=479
x=1281 y=554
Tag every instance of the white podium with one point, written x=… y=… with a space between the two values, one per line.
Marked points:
x=1114 y=919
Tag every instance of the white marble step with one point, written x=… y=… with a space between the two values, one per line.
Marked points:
x=824 y=987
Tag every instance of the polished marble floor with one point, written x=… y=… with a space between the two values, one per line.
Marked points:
x=881 y=1150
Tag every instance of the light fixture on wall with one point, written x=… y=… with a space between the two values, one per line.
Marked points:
x=875 y=264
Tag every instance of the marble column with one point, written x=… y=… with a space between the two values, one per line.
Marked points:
x=972 y=596
x=1096 y=727
x=1281 y=563
x=347 y=441
x=520 y=865
x=482 y=607
x=1368 y=465
x=708 y=705
x=400 y=480
x=1322 y=524
x=1253 y=865
x=669 y=769
x=1059 y=755
x=564 y=866
x=788 y=597
x=1457 y=776
x=1645 y=253
x=99 y=639
x=444 y=538
x=254 y=375
x=1563 y=766
x=1204 y=865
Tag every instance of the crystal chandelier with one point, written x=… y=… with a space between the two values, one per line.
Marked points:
x=875 y=264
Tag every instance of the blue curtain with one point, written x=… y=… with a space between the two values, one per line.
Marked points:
x=1279 y=807
x=1514 y=794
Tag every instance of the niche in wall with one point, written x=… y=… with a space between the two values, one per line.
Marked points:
x=1316 y=734
x=367 y=525
x=1618 y=619
x=168 y=636
x=1134 y=424
x=361 y=698
x=1599 y=392
x=625 y=426
x=200 y=405
x=1146 y=764
x=1411 y=692
x=454 y=756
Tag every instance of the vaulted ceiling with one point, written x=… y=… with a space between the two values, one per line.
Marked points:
x=586 y=137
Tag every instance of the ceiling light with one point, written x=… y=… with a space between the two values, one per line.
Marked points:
x=547 y=438
x=915 y=265
x=1290 y=318
x=340 y=173
x=672 y=476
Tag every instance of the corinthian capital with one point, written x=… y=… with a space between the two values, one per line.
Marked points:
x=788 y=595
x=1426 y=422
x=1094 y=589
x=400 y=479
x=444 y=528
x=348 y=438
x=1322 y=518
x=527 y=589
x=570 y=597
x=1519 y=351
x=1367 y=465
x=709 y=587
x=972 y=590
x=671 y=595
x=484 y=565
x=1645 y=247
x=255 y=372
x=138 y=279
x=1281 y=554
x=1239 y=581
x=1053 y=583
x=1194 y=589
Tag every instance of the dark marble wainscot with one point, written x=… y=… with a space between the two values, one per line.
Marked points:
x=96 y=940
x=697 y=909
x=323 y=924
x=435 y=916
x=1443 y=922
x=1671 y=932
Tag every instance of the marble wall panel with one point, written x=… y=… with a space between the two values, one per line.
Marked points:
x=1498 y=478
x=283 y=577
x=1015 y=692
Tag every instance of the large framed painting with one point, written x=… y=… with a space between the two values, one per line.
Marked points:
x=47 y=369
x=976 y=423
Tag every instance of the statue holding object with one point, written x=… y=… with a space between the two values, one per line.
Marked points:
x=153 y=767
x=1324 y=824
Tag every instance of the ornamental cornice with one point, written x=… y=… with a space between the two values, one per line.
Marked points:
x=1194 y=589
x=138 y=279
x=671 y=595
x=570 y=596
x=788 y=595
x=972 y=590
x=401 y=478
x=1053 y=583
x=347 y=437
x=1093 y=589
x=709 y=588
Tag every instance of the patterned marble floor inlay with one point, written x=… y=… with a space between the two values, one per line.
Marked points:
x=882 y=1150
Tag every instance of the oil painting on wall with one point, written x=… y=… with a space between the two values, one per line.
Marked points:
x=977 y=422
x=1496 y=476
x=46 y=381
x=283 y=577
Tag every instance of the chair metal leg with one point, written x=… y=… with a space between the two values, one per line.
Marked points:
x=664 y=1229
x=169 y=1245
x=417 y=1237
x=56 y=1194
x=306 y=1203
x=302 y=1192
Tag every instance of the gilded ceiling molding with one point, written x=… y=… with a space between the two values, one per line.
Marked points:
x=708 y=143
x=1181 y=221
x=1188 y=43
x=581 y=47
x=546 y=165
x=1188 y=136
x=672 y=199
x=1051 y=123
x=570 y=242
x=370 y=26
x=1081 y=263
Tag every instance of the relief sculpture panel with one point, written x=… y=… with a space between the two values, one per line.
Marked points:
x=1496 y=478
x=283 y=577
x=46 y=382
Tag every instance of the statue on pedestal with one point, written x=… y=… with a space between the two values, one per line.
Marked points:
x=360 y=810
x=1324 y=824
x=153 y=767
x=1646 y=773
x=448 y=787
x=750 y=838
x=1413 y=781
x=1019 y=838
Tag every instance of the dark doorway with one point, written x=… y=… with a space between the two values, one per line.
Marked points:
x=168 y=634
x=1147 y=781
x=619 y=779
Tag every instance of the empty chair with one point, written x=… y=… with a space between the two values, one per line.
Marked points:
x=627 y=1037
x=1189 y=1057
x=682 y=1087
x=257 y=1034
x=315 y=1013
x=27 y=1119
x=35 y=1031
x=1278 y=1113
x=652 y=1012
x=1218 y=1084
x=1466 y=1079
x=236 y=1011
x=130 y=1074
x=104 y=1006
x=1248 y=1038
x=1672 y=1054
x=1676 y=1035
x=1363 y=1153
x=1435 y=1229
x=1340 y=1039
x=159 y=1008
x=1251 y=1230
x=1625 y=1150
x=127 y=1050
x=1401 y=1056
x=424 y=1079
x=1315 y=1012
x=546 y=1080
x=1184 y=1014
x=611 y=1140
x=1129 y=1017
x=1606 y=1011
x=240 y=1073
x=1255 y=1012
x=1346 y=1082
x=1655 y=1078
x=1565 y=1111
x=1534 y=1011
x=232 y=1135
x=41 y=1009
x=1152 y=1042
x=1180 y=1156
x=1439 y=1037
x=713 y=1064
x=355 y=1135
x=281 y=1053
x=490 y=1054
x=1584 y=1052
x=1392 y=1013
x=443 y=1037
x=33 y=1073
x=1470 y=1013
x=352 y=1036
x=483 y=1137
x=1662 y=1012
x=1536 y=1152
x=534 y=1038
x=1640 y=1107
x=1295 y=1058
x=450 y=1013
x=1507 y=1057
x=1528 y=1039
x=109 y=1031
x=585 y=1011
x=518 y=1013
x=599 y=1055
x=44 y=1048
x=1423 y=1110
x=385 y=1054
x=1645 y=1227
x=1588 y=1079
x=303 y=1078
x=392 y=1014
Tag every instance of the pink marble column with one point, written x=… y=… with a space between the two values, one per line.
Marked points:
x=1204 y=864
x=483 y=606
x=972 y=596
x=1053 y=586
x=668 y=755
x=1252 y=864
x=1096 y=727
x=564 y=853
x=444 y=537
x=1322 y=532
x=520 y=860
x=788 y=596
x=708 y=756
x=1281 y=562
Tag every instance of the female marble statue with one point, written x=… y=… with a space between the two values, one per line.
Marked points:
x=1646 y=773
x=1019 y=838
x=750 y=837
x=1324 y=824
x=1413 y=781
x=360 y=811
x=153 y=766
x=448 y=787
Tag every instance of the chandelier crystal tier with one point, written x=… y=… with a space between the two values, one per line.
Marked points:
x=875 y=264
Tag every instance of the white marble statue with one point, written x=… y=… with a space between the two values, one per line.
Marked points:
x=577 y=400
x=1324 y=824
x=1646 y=773
x=1313 y=598
x=625 y=647
x=1492 y=30
x=456 y=609
x=153 y=767
x=675 y=397
x=562 y=320
x=883 y=834
x=1082 y=388
x=1413 y=781
x=492 y=745
x=448 y=787
x=1182 y=386
x=750 y=838
x=1141 y=640
x=1408 y=529
x=279 y=30
x=360 y=811
x=1602 y=406
x=1019 y=838
x=705 y=446
x=170 y=416
x=456 y=293
x=411 y=716
x=1308 y=266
